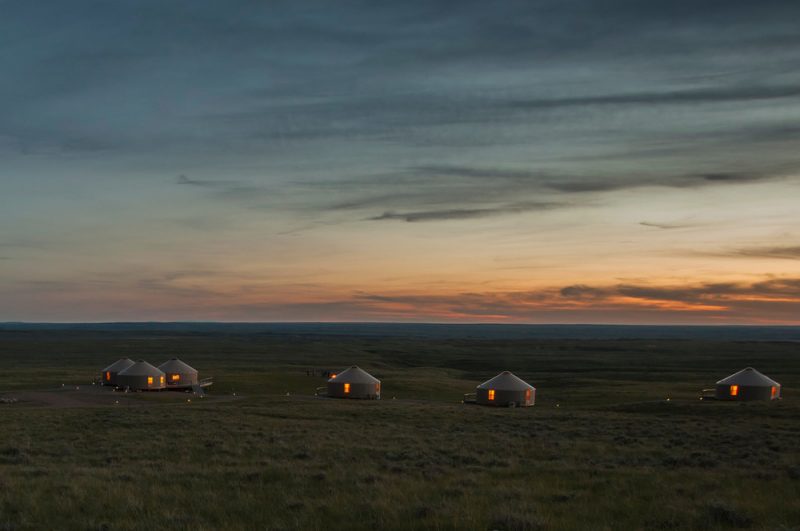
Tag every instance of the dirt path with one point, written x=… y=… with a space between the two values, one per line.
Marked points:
x=97 y=396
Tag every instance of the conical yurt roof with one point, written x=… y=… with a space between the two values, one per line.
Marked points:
x=355 y=375
x=749 y=377
x=176 y=366
x=119 y=365
x=505 y=381
x=141 y=368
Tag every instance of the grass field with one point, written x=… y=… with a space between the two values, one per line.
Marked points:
x=602 y=449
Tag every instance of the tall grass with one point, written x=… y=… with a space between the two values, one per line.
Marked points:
x=613 y=455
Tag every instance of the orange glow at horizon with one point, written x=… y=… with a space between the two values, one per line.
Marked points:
x=543 y=268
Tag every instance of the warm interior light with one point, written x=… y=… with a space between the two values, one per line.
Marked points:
x=491 y=394
x=108 y=376
x=377 y=388
x=161 y=379
x=149 y=380
x=774 y=392
x=175 y=377
x=734 y=390
x=347 y=388
x=527 y=394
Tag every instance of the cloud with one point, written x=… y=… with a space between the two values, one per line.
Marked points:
x=207 y=183
x=455 y=214
x=787 y=252
x=771 y=300
x=534 y=179
x=464 y=192
x=702 y=294
x=774 y=299
x=582 y=291
x=476 y=172
x=686 y=96
x=438 y=192
x=667 y=226
x=246 y=194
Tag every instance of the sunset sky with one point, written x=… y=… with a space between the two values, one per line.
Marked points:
x=553 y=161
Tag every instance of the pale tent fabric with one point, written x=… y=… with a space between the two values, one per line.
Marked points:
x=505 y=389
x=142 y=376
x=109 y=374
x=354 y=383
x=747 y=384
x=179 y=374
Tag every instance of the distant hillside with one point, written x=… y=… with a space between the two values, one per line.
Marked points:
x=445 y=331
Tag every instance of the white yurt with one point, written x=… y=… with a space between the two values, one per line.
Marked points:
x=109 y=374
x=179 y=374
x=141 y=376
x=505 y=390
x=747 y=384
x=354 y=383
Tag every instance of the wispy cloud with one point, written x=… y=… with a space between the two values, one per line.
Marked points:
x=722 y=94
x=776 y=300
x=456 y=214
x=667 y=226
x=723 y=294
x=206 y=183
x=769 y=301
x=788 y=252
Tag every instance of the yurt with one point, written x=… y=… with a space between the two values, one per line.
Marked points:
x=141 y=376
x=109 y=374
x=747 y=384
x=354 y=383
x=505 y=390
x=179 y=374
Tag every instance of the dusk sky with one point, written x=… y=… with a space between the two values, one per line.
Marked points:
x=565 y=161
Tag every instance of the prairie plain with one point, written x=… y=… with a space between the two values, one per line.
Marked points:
x=617 y=439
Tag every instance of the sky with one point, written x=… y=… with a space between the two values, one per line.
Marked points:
x=564 y=161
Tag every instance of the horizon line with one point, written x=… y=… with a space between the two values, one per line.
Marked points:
x=414 y=323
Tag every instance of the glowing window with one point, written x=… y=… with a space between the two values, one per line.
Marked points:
x=149 y=380
x=774 y=392
x=108 y=376
x=734 y=390
x=161 y=379
x=491 y=394
x=174 y=377
x=527 y=394
x=347 y=388
x=377 y=388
